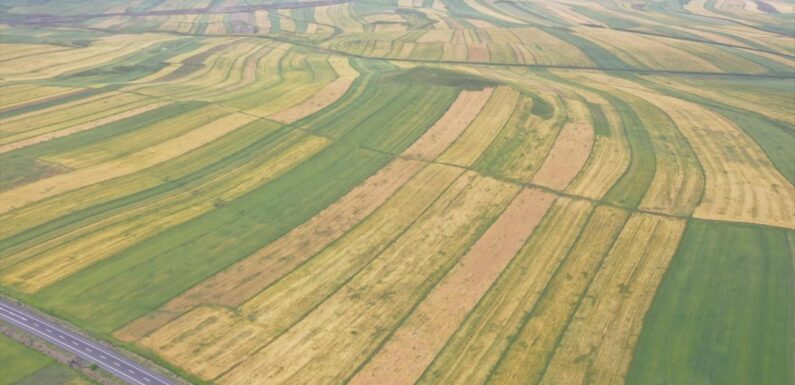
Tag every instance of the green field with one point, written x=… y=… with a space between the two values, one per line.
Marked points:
x=24 y=366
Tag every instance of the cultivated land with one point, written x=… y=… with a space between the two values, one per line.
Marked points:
x=400 y=192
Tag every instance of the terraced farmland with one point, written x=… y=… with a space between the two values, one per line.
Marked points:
x=398 y=192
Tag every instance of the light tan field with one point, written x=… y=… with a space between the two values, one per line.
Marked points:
x=35 y=191
x=611 y=315
x=570 y=152
x=449 y=127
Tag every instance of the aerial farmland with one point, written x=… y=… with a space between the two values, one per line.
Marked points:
x=397 y=192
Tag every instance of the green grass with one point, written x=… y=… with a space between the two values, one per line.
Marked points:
x=723 y=313
x=600 y=124
x=17 y=361
x=70 y=97
x=629 y=190
x=599 y=56
x=436 y=76
x=22 y=365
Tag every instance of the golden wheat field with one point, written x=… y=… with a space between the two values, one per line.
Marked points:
x=407 y=192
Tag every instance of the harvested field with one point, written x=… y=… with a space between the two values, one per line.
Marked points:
x=414 y=345
x=415 y=192
x=570 y=152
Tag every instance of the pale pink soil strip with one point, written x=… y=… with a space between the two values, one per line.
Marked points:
x=323 y=98
x=450 y=126
x=478 y=53
x=79 y=128
x=567 y=157
x=414 y=345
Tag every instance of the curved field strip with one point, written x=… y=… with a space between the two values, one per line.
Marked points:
x=773 y=136
x=471 y=352
x=13 y=51
x=414 y=345
x=492 y=12
x=600 y=340
x=762 y=99
x=329 y=269
x=396 y=278
x=15 y=96
x=648 y=52
x=117 y=146
x=44 y=188
x=664 y=174
x=79 y=128
x=208 y=76
x=34 y=123
x=520 y=148
x=322 y=98
x=51 y=64
x=526 y=356
x=450 y=126
x=101 y=240
x=482 y=130
x=535 y=46
x=571 y=149
x=610 y=155
x=741 y=183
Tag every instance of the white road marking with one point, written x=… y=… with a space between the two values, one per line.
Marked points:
x=11 y=312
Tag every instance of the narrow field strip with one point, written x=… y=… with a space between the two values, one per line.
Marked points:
x=17 y=96
x=475 y=347
x=139 y=139
x=570 y=151
x=63 y=115
x=413 y=346
x=482 y=130
x=324 y=97
x=38 y=190
x=741 y=182
x=521 y=147
x=450 y=126
x=79 y=128
x=600 y=341
x=526 y=357
x=610 y=155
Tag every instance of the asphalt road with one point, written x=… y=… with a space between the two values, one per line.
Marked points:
x=117 y=364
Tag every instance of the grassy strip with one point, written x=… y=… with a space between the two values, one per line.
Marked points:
x=23 y=166
x=629 y=190
x=70 y=97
